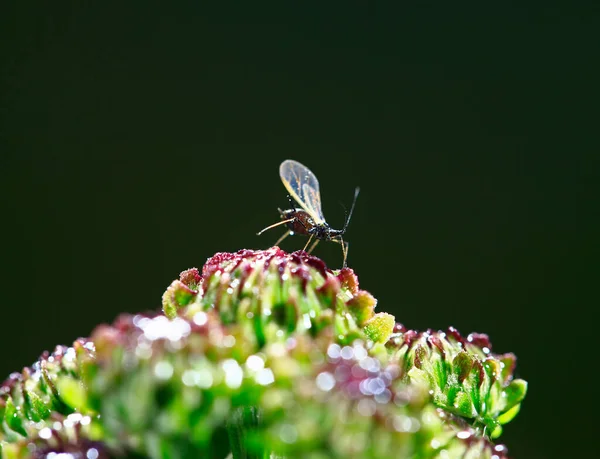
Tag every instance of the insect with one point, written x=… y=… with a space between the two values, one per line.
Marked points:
x=308 y=219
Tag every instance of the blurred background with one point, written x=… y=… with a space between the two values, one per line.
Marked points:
x=137 y=140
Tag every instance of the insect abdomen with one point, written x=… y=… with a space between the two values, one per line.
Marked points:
x=302 y=222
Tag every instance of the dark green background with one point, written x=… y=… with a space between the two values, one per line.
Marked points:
x=139 y=140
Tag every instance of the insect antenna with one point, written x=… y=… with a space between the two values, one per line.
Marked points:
x=356 y=191
x=283 y=222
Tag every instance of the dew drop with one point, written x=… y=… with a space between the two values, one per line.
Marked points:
x=255 y=363
x=325 y=381
x=188 y=378
x=144 y=349
x=70 y=354
x=229 y=341
x=375 y=386
x=404 y=423
x=359 y=352
x=306 y=321
x=464 y=435
x=370 y=364
x=233 y=373
x=366 y=407
x=75 y=417
x=347 y=353
x=265 y=377
x=384 y=397
x=288 y=433
x=200 y=318
x=203 y=379
x=163 y=370
x=45 y=433
x=333 y=352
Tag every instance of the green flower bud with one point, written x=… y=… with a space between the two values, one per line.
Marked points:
x=181 y=292
x=34 y=401
x=380 y=327
x=467 y=379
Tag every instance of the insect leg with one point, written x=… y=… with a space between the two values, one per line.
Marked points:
x=312 y=247
x=283 y=222
x=308 y=242
x=345 y=245
x=286 y=234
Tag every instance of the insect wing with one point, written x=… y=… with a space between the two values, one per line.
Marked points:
x=303 y=186
x=312 y=199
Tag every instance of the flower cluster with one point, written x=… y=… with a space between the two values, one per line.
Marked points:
x=263 y=354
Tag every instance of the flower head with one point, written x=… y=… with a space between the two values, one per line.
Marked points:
x=263 y=353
